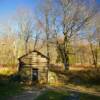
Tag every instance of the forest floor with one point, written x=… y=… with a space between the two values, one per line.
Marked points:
x=28 y=95
x=57 y=93
x=70 y=91
x=63 y=93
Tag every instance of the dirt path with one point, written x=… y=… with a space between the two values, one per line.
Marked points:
x=29 y=95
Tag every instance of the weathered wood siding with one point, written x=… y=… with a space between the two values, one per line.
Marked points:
x=34 y=60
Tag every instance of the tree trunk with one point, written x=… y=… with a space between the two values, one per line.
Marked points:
x=66 y=61
x=94 y=55
x=26 y=47
x=64 y=56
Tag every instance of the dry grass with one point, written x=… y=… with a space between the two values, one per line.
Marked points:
x=79 y=67
x=84 y=89
x=7 y=71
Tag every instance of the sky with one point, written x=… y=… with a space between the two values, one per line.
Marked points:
x=98 y=1
x=8 y=7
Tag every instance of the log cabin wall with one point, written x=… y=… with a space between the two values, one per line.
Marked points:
x=31 y=63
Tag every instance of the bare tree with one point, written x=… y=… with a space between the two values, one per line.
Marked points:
x=93 y=40
x=74 y=16
x=8 y=39
x=46 y=10
x=25 y=25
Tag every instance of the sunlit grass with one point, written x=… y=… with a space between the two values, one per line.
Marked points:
x=7 y=71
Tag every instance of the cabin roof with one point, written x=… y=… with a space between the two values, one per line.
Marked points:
x=39 y=53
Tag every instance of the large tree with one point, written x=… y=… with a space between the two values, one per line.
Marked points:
x=66 y=18
x=74 y=15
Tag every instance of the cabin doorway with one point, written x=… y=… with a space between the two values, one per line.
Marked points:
x=34 y=75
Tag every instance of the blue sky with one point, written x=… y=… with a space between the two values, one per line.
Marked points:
x=8 y=7
x=98 y=1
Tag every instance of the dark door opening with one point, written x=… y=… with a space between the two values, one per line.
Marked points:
x=34 y=75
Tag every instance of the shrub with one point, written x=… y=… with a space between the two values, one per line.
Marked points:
x=15 y=78
x=85 y=77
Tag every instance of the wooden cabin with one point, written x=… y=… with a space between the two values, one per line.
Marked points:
x=33 y=67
